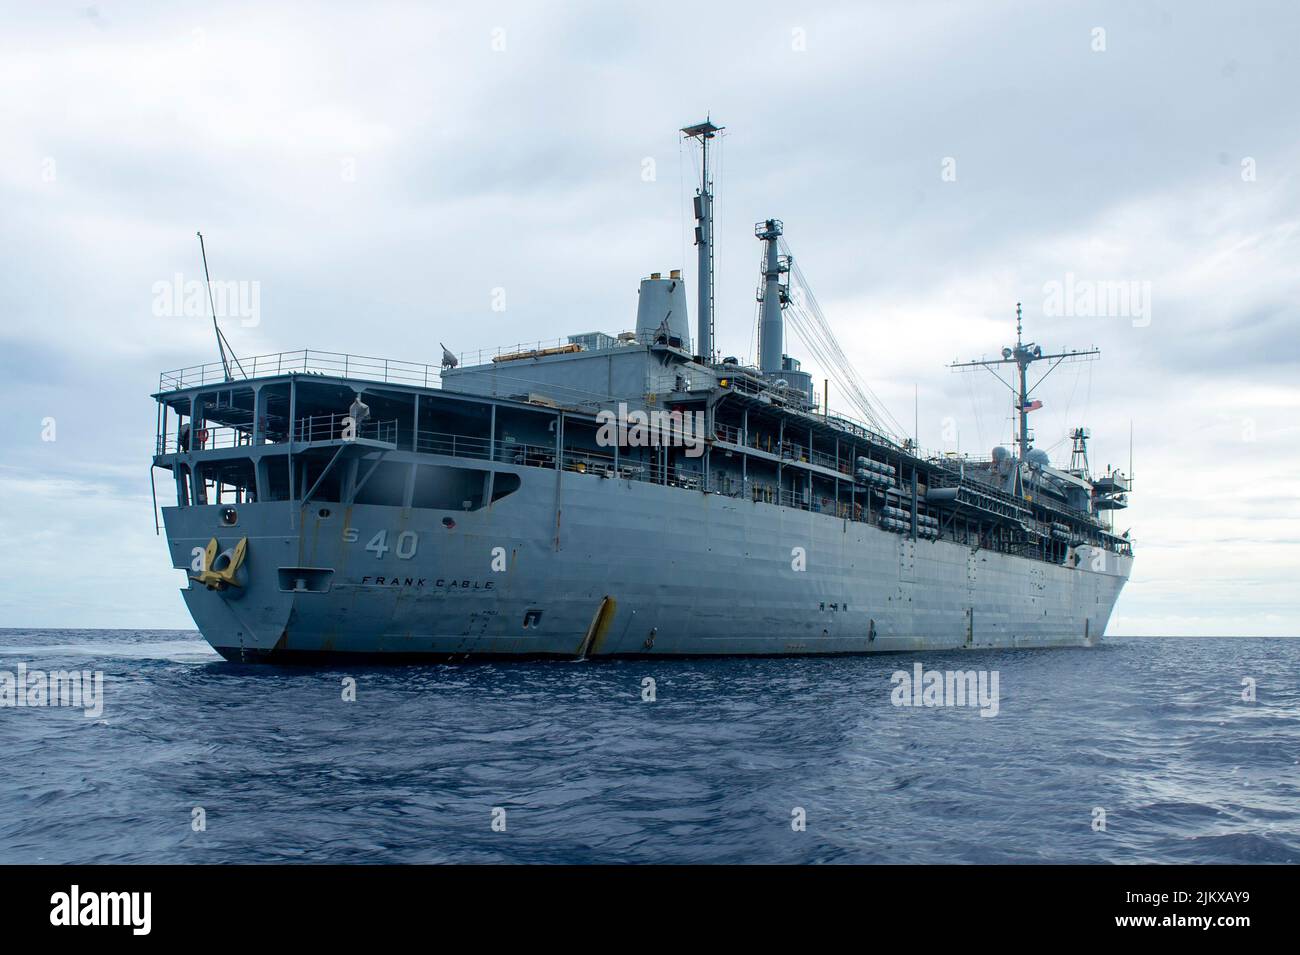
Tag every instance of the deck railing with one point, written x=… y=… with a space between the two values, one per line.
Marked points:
x=484 y=356
x=728 y=433
x=204 y=439
x=577 y=460
x=338 y=427
x=791 y=452
x=454 y=445
x=303 y=362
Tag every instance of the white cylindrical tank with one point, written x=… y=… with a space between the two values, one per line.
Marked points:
x=661 y=310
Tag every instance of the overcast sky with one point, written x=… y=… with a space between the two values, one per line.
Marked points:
x=378 y=170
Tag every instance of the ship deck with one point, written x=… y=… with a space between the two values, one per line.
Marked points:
x=758 y=446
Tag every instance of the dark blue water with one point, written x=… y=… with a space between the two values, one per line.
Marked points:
x=1153 y=731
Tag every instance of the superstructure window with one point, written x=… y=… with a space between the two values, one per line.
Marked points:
x=449 y=489
x=387 y=485
x=457 y=489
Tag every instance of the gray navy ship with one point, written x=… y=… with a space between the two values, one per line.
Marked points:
x=620 y=495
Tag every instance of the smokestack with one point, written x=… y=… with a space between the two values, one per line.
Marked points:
x=771 y=329
x=661 y=310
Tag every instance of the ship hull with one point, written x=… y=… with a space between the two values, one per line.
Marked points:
x=576 y=565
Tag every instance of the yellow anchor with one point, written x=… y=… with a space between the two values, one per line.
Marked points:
x=221 y=579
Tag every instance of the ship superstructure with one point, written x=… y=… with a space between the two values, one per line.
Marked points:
x=614 y=494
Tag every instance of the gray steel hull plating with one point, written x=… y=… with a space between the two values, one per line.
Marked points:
x=580 y=565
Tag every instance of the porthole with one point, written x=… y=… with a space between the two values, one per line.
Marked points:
x=229 y=516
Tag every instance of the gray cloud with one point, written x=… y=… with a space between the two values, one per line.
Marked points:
x=475 y=169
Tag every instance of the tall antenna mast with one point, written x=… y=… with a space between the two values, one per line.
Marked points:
x=1022 y=356
x=703 y=132
x=222 y=345
x=1130 y=453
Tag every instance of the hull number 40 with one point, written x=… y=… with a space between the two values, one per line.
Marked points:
x=404 y=545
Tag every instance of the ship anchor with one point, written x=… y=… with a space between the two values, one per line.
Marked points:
x=215 y=579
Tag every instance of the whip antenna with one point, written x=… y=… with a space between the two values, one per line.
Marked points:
x=223 y=346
